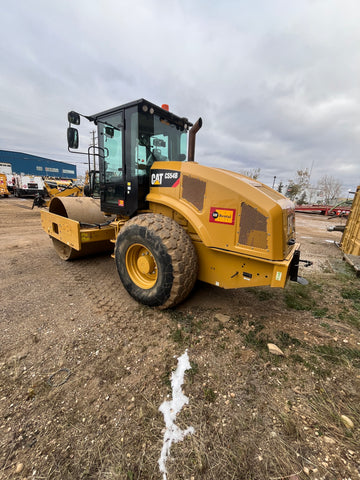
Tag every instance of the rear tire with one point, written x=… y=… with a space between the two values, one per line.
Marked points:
x=156 y=260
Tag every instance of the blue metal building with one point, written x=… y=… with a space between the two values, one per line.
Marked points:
x=33 y=165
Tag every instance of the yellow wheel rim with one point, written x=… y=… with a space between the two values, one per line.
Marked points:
x=141 y=266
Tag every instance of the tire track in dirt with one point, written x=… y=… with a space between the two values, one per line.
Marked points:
x=97 y=278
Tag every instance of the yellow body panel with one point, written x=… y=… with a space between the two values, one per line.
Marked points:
x=229 y=211
x=350 y=242
x=237 y=271
x=70 y=233
x=243 y=231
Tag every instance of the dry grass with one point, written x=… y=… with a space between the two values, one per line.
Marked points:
x=255 y=416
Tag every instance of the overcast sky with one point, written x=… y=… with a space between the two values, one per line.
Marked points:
x=277 y=82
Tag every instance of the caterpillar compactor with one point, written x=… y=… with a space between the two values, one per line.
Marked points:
x=168 y=220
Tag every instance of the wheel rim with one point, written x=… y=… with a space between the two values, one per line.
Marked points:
x=141 y=266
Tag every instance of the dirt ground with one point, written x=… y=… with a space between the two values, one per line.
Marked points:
x=84 y=368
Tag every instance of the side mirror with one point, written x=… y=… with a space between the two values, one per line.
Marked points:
x=72 y=137
x=74 y=118
x=109 y=132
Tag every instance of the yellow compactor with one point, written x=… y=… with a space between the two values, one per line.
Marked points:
x=169 y=220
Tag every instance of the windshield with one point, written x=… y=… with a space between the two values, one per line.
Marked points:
x=158 y=140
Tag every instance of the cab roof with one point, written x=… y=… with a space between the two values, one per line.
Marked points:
x=157 y=110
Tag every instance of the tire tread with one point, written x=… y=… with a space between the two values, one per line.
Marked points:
x=180 y=249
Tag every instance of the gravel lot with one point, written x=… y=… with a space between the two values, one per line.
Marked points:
x=84 y=368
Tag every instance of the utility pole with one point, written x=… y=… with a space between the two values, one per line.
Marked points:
x=274 y=181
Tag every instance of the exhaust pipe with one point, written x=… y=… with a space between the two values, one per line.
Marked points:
x=193 y=131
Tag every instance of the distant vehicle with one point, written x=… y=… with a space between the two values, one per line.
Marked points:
x=3 y=185
x=5 y=168
x=28 y=185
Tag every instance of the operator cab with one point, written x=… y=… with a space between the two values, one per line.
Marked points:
x=131 y=138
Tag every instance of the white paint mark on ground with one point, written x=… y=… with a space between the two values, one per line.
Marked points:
x=171 y=408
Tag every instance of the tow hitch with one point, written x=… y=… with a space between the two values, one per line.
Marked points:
x=294 y=268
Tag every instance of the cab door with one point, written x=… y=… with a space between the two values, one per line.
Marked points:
x=112 y=168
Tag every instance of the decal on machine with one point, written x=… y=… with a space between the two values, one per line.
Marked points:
x=222 y=215
x=165 y=178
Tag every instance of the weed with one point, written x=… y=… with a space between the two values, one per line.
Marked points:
x=220 y=326
x=327 y=327
x=291 y=428
x=350 y=318
x=299 y=298
x=317 y=287
x=296 y=358
x=262 y=294
x=186 y=321
x=311 y=364
x=338 y=355
x=177 y=336
x=192 y=372
x=345 y=275
x=351 y=293
x=320 y=312
x=254 y=340
x=239 y=320
x=285 y=339
x=166 y=378
x=209 y=395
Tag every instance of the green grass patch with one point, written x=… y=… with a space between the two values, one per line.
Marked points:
x=177 y=336
x=296 y=358
x=300 y=298
x=239 y=320
x=209 y=395
x=327 y=327
x=285 y=340
x=338 y=355
x=320 y=312
x=312 y=364
x=351 y=293
x=253 y=339
x=349 y=318
x=261 y=294
x=190 y=374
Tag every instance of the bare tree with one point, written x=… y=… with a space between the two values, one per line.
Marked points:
x=297 y=188
x=251 y=172
x=329 y=187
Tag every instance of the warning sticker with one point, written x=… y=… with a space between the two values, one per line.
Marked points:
x=222 y=215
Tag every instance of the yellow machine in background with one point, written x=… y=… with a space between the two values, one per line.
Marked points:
x=3 y=185
x=350 y=241
x=171 y=220
x=57 y=188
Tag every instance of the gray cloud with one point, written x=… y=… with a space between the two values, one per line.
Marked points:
x=275 y=82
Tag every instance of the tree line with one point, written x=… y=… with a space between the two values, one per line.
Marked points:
x=300 y=190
